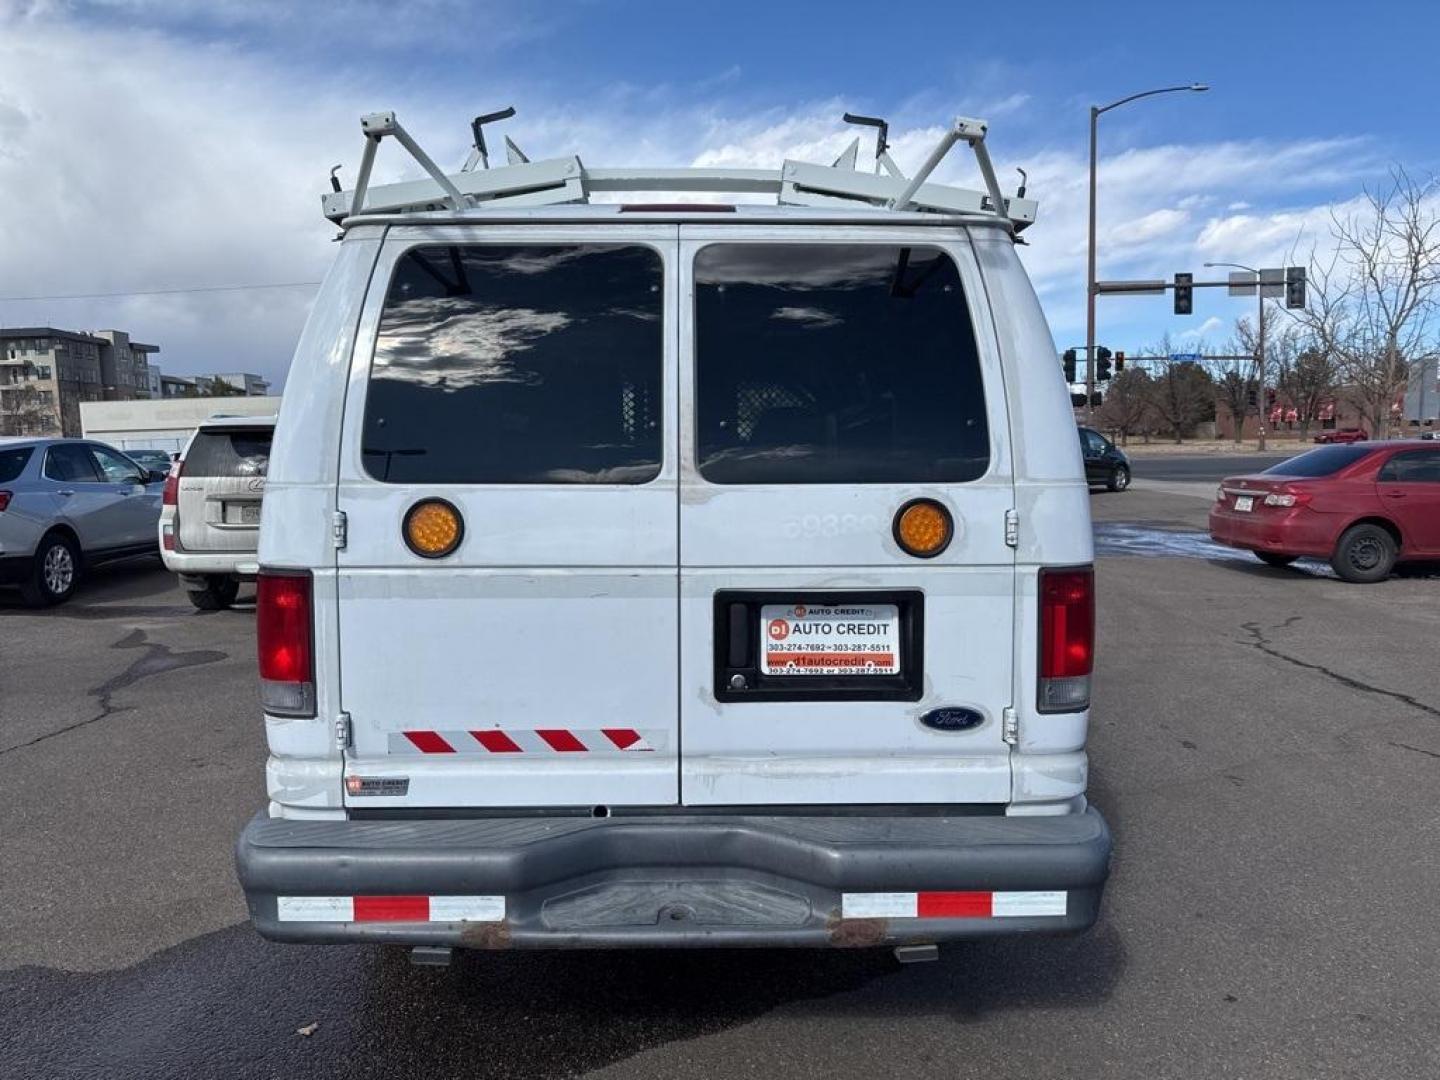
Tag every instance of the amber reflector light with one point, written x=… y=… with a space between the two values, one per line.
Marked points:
x=433 y=528
x=923 y=528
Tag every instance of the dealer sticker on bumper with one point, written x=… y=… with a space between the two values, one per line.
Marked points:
x=842 y=639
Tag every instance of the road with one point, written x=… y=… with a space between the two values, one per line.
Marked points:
x=1200 y=466
x=1269 y=774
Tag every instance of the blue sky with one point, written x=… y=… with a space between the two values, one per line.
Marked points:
x=151 y=145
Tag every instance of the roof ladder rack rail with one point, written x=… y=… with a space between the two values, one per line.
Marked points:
x=558 y=181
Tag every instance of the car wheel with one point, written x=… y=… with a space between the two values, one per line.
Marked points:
x=1270 y=558
x=1119 y=479
x=1365 y=554
x=219 y=593
x=54 y=571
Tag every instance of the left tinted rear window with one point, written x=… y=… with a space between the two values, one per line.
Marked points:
x=504 y=364
x=12 y=462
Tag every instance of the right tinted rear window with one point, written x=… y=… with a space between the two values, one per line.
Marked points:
x=1322 y=461
x=12 y=462
x=229 y=453
x=836 y=364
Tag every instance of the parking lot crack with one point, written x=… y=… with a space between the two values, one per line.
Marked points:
x=156 y=659
x=1258 y=640
x=1417 y=749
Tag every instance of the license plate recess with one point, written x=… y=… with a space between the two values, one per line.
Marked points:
x=744 y=619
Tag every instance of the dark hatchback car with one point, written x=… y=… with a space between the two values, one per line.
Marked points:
x=1105 y=463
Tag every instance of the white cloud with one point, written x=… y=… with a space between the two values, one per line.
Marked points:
x=1209 y=326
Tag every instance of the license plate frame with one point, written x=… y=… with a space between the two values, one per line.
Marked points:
x=738 y=671
x=240 y=512
x=1244 y=504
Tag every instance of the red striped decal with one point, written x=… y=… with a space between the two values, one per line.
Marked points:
x=560 y=739
x=429 y=742
x=953 y=905
x=392 y=908
x=497 y=742
x=623 y=738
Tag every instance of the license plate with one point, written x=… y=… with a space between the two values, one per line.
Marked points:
x=246 y=513
x=1244 y=503
x=839 y=639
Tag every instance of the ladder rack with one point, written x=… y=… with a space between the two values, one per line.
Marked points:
x=559 y=181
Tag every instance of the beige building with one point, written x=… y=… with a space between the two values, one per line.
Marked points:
x=46 y=373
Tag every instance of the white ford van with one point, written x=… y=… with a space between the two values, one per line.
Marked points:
x=675 y=574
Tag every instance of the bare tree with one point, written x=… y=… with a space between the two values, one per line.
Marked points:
x=1308 y=381
x=1373 y=300
x=24 y=411
x=1127 y=403
x=1182 y=391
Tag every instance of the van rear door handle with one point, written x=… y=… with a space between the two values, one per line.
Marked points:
x=66 y=492
x=1395 y=494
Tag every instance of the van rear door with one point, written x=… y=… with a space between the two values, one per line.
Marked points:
x=837 y=379
x=526 y=380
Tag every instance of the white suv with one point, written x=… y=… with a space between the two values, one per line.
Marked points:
x=675 y=575
x=210 y=517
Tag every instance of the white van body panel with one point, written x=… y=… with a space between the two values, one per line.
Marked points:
x=400 y=637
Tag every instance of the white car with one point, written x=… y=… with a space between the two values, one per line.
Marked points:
x=210 y=517
x=675 y=575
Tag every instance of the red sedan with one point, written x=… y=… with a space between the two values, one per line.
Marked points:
x=1362 y=507
x=1342 y=435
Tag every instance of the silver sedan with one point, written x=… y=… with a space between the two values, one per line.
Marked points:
x=67 y=504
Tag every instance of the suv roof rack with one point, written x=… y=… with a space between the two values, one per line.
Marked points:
x=566 y=180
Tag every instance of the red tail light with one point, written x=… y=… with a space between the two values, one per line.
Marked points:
x=1067 y=638
x=172 y=485
x=5 y=498
x=285 y=630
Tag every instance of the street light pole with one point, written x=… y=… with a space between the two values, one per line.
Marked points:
x=1090 y=291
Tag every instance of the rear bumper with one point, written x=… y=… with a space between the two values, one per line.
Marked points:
x=674 y=880
x=242 y=564
x=1286 y=532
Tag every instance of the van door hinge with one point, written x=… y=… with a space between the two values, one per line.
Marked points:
x=339 y=528
x=1010 y=725
x=1012 y=528
x=342 y=731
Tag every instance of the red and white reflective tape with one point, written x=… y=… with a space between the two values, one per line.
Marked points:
x=950 y=905
x=530 y=741
x=370 y=909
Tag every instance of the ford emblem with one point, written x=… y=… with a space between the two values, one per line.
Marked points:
x=952 y=719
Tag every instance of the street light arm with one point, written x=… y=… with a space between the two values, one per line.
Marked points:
x=1234 y=266
x=1149 y=94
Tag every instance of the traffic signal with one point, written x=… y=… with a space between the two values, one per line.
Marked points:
x=1102 y=363
x=1069 y=361
x=1295 y=286
x=1269 y=399
x=1250 y=398
x=1119 y=361
x=1096 y=400
x=1184 y=294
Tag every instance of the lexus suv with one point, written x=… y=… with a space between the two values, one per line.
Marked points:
x=210 y=524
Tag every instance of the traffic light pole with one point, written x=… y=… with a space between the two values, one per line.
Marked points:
x=1260 y=401
x=1090 y=278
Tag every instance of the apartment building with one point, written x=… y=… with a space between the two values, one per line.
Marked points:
x=45 y=373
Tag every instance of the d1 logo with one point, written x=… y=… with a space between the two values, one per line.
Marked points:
x=778 y=630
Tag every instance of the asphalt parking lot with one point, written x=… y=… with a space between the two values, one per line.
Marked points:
x=1266 y=746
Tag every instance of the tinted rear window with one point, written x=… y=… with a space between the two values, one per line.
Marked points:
x=12 y=462
x=832 y=363
x=515 y=365
x=229 y=453
x=1323 y=461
